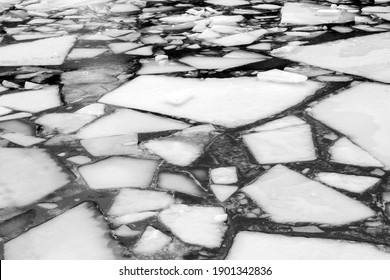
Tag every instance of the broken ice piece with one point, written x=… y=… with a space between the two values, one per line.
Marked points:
x=240 y=39
x=95 y=109
x=224 y=175
x=76 y=234
x=223 y=192
x=263 y=246
x=288 y=144
x=125 y=231
x=15 y=116
x=346 y=152
x=352 y=183
x=279 y=76
x=119 y=172
x=51 y=51
x=208 y=62
x=4 y=111
x=123 y=47
x=79 y=159
x=288 y=121
x=144 y=51
x=111 y=145
x=151 y=241
x=21 y=139
x=180 y=183
x=27 y=175
x=289 y=197
x=124 y=8
x=128 y=122
x=154 y=67
x=228 y=2
x=195 y=224
x=83 y=53
x=33 y=101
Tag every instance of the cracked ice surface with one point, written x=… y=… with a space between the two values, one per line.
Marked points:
x=212 y=100
x=290 y=197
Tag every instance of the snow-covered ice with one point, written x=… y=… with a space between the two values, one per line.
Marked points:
x=352 y=183
x=289 y=197
x=180 y=183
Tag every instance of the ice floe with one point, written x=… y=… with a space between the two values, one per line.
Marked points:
x=352 y=183
x=179 y=182
x=208 y=62
x=32 y=101
x=21 y=139
x=74 y=235
x=198 y=225
x=119 y=172
x=51 y=51
x=240 y=39
x=361 y=114
x=128 y=122
x=79 y=159
x=344 y=151
x=111 y=145
x=223 y=192
x=211 y=100
x=27 y=176
x=151 y=241
x=158 y=67
x=279 y=76
x=224 y=175
x=83 y=53
x=263 y=246
x=131 y=205
x=289 y=197
x=286 y=144
x=365 y=56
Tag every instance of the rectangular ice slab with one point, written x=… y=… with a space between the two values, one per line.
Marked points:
x=228 y=102
x=289 y=144
x=290 y=197
x=367 y=56
x=51 y=51
x=262 y=246
x=27 y=175
x=77 y=234
x=119 y=172
x=362 y=114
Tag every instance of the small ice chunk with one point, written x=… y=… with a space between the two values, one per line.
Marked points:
x=159 y=67
x=289 y=197
x=15 y=116
x=4 y=111
x=289 y=144
x=17 y=126
x=32 y=101
x=279 y=76
x=180 y=183
x=195 y=224
x=79 y=159
x=123 y=47
x=224 y=175
x=263 y=246
x=213 y=100
x=267 y=7
x=245 y=54
x=79 y=233
x=352 y=183
x=95 y=109
x=111 y=145
x=260 y=47
x=223 y=192
x=127 y=122
x=124 y=8
x=64 y=122
x=21 y=139
x=133 y=217
x=83 y=53
x=27 y=175
x=119 y=172
x=240 y=39
x=151 y=241
x=51 y=51
x=144 y=203
x=209 y=62
x=125 y=231
x=228 y=3
x=346 y=152
x=144 y=51
x=153 y=40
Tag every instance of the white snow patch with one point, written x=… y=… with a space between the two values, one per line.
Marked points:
x=290 y=197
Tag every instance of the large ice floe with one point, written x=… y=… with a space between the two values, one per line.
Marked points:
x=361 y=113
x=27 y=175
x=263 y=246
x=79 y=233
x=51 y=51
x=228 y=102
x=366 y=56
x=289 y=197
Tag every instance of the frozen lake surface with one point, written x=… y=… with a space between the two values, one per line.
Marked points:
x=216 y=129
